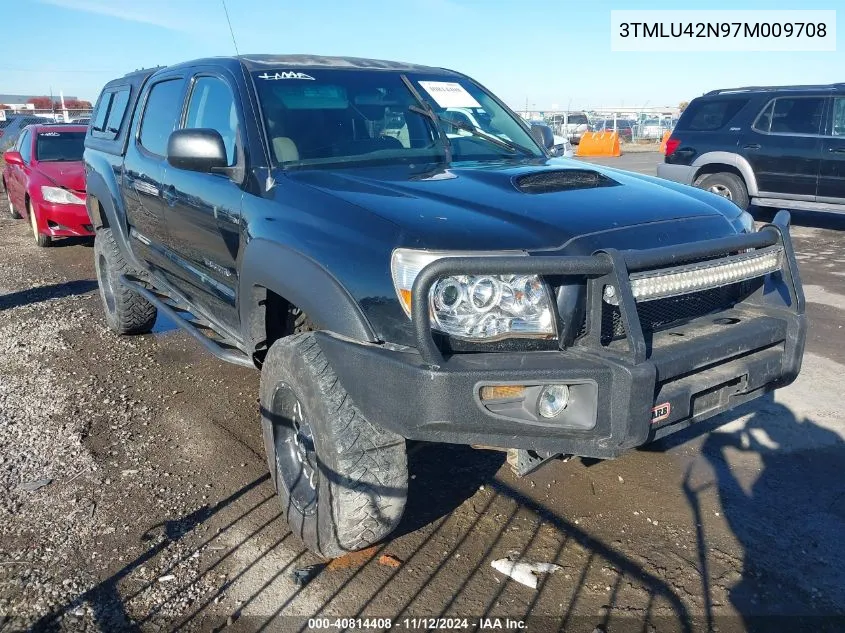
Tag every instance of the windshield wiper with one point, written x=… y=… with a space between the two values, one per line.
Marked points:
x=487 y=136
x=425 y=109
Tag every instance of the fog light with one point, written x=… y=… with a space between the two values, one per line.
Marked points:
x=553 y=400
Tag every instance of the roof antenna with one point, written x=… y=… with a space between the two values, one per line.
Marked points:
x=231 y=31
x=270 y=183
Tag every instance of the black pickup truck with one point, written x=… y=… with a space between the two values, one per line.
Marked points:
x=397 y=271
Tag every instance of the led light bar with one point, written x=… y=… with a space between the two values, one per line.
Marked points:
x=681 y=280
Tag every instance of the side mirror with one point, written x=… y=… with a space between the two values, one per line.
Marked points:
x=13 y=158
x=199 y=150
x=543 y=135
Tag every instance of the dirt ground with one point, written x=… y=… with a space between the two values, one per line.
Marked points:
x=135 y=493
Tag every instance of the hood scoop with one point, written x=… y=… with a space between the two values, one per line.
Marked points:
x=562 y=180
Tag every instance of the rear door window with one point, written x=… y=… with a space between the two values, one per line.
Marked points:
x=791 y=115
x=161 y=113
x=710 y=115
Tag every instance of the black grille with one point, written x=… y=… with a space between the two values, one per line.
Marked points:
x=664 y=313
x=562 y=180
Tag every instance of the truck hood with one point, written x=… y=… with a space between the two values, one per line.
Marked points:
x=534 y=207
x=70 y=175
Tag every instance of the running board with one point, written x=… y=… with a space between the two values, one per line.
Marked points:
x=221 y=349
x=798 y=205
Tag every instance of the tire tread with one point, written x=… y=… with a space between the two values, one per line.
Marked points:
x=371 y=462
x=133 y=314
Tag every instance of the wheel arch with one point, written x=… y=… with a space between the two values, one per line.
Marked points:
x=299 y=281
x=105 y=205
x=715 y=162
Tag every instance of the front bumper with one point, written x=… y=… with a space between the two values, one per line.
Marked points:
x=687 y=373
x=64 y=220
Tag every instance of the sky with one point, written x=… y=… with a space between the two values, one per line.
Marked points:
x=550 y=54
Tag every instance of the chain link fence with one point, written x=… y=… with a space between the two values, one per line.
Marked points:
x=13 y=122
x=57 y=115
x=638 y=127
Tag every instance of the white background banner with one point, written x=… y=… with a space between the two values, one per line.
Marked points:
x=700 y=31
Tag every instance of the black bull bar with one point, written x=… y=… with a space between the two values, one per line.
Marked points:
x=604 y=267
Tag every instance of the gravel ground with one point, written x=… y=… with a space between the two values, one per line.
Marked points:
x=136 y=495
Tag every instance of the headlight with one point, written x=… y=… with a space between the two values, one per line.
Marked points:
x=477 y=307
x=58 y=195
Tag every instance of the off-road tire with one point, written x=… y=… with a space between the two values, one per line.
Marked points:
x=12 y=213
x=732 y=185
x=362 y=470
x=40 y=239
x=126 y=311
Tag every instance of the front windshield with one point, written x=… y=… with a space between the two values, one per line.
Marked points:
x=326 y=117
x=59 y=146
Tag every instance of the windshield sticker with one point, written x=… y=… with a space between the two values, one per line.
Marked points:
x=449 y=94
x=285 y=74
x=49 y=134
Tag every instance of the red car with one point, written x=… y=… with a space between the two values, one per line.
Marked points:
x=44 y=180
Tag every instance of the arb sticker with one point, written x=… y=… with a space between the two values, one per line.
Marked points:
x=285 y=74
x=660 y=412
x=449 y=94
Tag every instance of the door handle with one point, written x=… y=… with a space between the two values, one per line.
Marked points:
x=751 y=146
x=837 y=150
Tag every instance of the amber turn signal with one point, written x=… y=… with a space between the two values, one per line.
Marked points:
x=502 y=392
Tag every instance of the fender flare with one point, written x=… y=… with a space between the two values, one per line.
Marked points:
x=104 y=193
x=732 y=159
x=301 y=281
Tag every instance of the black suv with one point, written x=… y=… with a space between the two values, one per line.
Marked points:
x=781 y=146
x=395 y=273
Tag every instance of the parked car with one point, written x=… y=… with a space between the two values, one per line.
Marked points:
x=562 y=147
x=44 y=180
x=651 y=128
x=571 y=125
x=777 y=146
x=625 y=128
x=417 y=285
x=12 y=126
x=81 y=120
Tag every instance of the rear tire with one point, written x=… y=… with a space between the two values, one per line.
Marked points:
x=728 y=186
x=126 y=311
x=40 y=239
x=342 y=480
